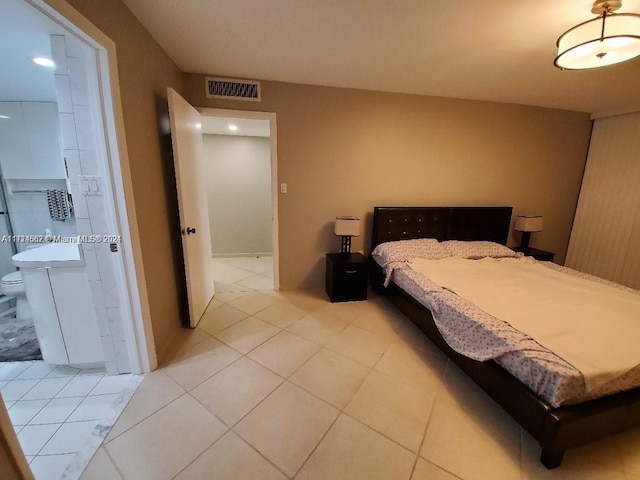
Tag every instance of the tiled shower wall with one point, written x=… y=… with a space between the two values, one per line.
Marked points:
x=83 y=154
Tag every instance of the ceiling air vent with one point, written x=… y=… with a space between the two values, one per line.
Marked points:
x=233 y=89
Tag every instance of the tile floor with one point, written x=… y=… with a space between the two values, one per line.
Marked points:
x=55 y=410
x=277 y=385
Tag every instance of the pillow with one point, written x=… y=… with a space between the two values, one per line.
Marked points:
x=405 y=250
x=478 y=249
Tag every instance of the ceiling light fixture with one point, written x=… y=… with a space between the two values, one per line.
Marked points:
x=605 y=40
x=44 y=61
x=233 y=128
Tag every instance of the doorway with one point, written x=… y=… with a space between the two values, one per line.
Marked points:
x=78 y=85
x=244 y=230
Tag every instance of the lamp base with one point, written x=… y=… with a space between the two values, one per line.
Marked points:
x=524 y=243
x=345 y=246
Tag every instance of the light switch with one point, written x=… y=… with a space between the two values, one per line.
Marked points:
x=283 y=188
x=90 y=185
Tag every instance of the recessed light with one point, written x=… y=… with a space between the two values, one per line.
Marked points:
x=233 y=128
x=44 y=61
x=4 y=117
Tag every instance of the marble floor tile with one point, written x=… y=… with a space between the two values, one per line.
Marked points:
x=156 y=391
x=50 y=467
x=286 y=426
x=69 y=438
x=231 y=458
x=101 y=468
x=283 y=353
x=21 y=412
x=217 y=319
x=247 y=334
x=360 y=345
x=331 y=377
x=56 y=410
x=352 y=451
x=473 y=441
x=163 y=444
x=413 y=366
x=281 y=314
x=396 y=409
x=233 y=392
x=319 y=327
x=253 y=302
x=200 y=362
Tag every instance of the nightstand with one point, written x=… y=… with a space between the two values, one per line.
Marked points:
x=536 y=253
x=347 y=277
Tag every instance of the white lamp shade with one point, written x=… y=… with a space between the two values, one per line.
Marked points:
x=347 y=226
x=528 y=223
x=587 y=46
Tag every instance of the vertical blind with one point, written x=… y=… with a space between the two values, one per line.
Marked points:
x=605 y=239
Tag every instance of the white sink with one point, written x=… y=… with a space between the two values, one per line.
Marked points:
x=50 y=255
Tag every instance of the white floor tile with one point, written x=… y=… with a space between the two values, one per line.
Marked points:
x=24 y=410
x=63 y=371
x=16 y=389
x=11 y=370
x=46 y=388
x=69 y=438
x=50 y=467
x=110 y=384
x=56 y=411
x=79 y=386
x=93 y=408
x=38 y=369
x=33 y=437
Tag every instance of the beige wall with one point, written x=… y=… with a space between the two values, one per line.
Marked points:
x=145 y=72
x=344 y=151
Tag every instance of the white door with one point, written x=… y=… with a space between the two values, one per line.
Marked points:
x=186 y=137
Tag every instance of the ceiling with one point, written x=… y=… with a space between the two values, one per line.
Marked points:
x=23 y=35
x=496 y=50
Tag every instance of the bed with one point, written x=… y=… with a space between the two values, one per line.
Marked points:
x=556 y=424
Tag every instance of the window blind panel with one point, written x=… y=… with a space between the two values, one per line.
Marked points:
x=606 y=228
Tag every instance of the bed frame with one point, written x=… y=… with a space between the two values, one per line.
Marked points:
x=555 y=428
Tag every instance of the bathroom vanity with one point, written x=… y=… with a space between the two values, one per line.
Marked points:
x=61 y=304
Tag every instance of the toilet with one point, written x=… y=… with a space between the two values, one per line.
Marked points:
x=12 y=285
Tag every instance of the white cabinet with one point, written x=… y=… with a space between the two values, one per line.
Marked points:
x=63 y=315
x=30 y=141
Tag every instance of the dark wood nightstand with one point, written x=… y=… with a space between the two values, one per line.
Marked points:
x=538 y=254
x=347 y=277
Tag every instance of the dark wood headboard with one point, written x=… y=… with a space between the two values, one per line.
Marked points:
x=443 y=223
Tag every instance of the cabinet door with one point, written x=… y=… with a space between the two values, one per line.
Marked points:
x=44 y=314
x=43 y=134
x=76 y=314
x=14 y=147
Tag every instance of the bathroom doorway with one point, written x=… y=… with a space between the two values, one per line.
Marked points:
x=80 y=87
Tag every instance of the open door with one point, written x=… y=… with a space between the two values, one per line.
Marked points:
x=186 y=138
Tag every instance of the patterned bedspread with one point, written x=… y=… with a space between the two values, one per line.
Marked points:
x=475 y=334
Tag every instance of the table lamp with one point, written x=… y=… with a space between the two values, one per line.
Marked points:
x=347 y=227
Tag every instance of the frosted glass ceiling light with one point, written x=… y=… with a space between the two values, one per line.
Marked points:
x=605 y=40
